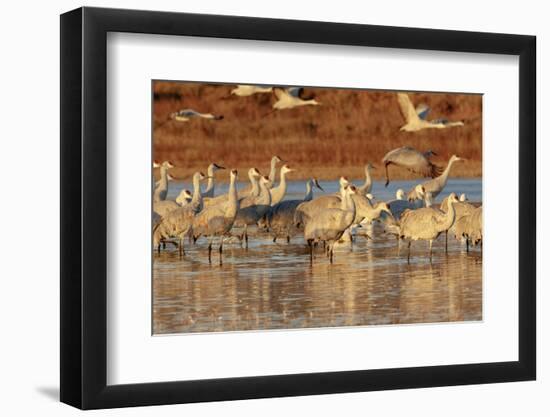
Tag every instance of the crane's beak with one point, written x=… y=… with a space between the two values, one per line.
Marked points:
x=219 y=166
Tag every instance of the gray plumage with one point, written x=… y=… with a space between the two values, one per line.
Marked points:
x=187 y=114
x=412 y=160
x=278 y=193
x=436 y=185
x=178 y=222
x=463 y=211
x=252 y=209
x=253 y=189
x=473 y=231
x=209 y=191
x=217 y=220
x=308 y=209
x=367 y=186
x=329 y=224
x=161 y=190
x=273 y=168
x=427 y=223
x=280 y=218
x=163 y=207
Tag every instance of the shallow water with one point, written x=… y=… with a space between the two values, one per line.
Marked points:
x=274 y=286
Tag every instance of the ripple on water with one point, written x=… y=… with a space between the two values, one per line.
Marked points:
x=273 y=286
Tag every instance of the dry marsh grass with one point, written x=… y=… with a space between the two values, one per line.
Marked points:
x=349 y=129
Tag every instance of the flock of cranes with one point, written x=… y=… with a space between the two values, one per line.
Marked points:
x=325 y=219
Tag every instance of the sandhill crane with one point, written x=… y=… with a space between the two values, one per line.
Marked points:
x=280 y=218
x=209 y=192
x=436 y=185
x=367 y=186
x=161 y=189
x=415 y=119
x=427 y=223
x=217 y=220
x=473 y=232
x=411 y=159
x=278 y=193
x=308 y=208
x=177 y=223
x=188 y=114
x=365 y=210
x=251 y=190
x=329 y=224
x=273 y=170
x=253 y=208
x=249 y=90
x=184 y=197
x=289 y=98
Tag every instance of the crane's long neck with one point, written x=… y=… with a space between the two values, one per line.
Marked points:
x=449 y=217
x=273 y=171
x=265 y=195
x=197 y=199
x=255 y=188
x=342 y=192
x=163 y=185
x=282 y=185
x=309 y=192
x=232 y=200
x=347 y=203
x=443 y=177
x=211 y=184
x=368 y=181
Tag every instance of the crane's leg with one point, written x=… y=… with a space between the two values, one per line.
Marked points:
x=275 y=239
x=163 y=244
x=409 y=253
x=221 y=249
x=431 y=243
x=331 y=251
x=446 y=239
x=246 y=236
x=310 y=244
x=181 y=250
x=467 y=245
x=210 y=251
x=288 y=239
x=398 y=244
x=387 y=176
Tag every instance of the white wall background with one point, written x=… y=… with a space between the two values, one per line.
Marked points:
x=29 y=267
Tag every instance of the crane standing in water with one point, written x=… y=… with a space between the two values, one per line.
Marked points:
x=427 y=223
x=218 y=219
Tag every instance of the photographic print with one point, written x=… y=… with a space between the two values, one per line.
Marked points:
x=290 y=207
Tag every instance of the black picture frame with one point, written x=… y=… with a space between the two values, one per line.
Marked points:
x=84 y=207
